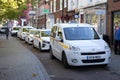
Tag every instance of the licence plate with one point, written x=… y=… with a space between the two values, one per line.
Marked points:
x=93 y=57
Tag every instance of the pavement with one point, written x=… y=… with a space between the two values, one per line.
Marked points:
x=18 y=63
x=114 y=65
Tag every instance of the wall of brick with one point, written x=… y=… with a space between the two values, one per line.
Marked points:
x=112 y=7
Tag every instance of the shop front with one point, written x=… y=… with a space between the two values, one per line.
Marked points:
x=96 y=16
x=113 y=18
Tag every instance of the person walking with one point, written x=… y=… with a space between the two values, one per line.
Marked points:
x=117 y=41
x=7 y=33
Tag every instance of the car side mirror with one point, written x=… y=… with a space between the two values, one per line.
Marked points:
x=37 y=35
x=58 y=39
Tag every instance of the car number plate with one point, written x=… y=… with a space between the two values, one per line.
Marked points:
x=93 y=57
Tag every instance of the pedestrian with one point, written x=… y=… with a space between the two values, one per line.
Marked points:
x=7 y=33
x=117 y=41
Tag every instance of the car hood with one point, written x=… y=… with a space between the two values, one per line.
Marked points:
x=46 y=39
x=88 y=44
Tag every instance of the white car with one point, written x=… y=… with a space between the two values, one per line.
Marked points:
x=78 y=44
x=29 y=36
x=14 y=31
x=22 y=32
x=2 y=30
x=42 y=39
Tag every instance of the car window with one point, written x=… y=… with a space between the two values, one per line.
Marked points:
x=37 y=33
x=80 y=33
x=45 y=33
x=32 y=31
x=53 y=31
x=60 y=33
x=24 y=30
x=16 y=28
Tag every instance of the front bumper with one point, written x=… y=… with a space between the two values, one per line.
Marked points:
x=76 y=58
x=45 y=46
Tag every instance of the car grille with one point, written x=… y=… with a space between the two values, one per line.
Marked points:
x=93 y=53
x=93 y=61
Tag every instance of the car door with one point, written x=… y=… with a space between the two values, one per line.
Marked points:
x=35 y=38
x=52 y=40
x=58 y=43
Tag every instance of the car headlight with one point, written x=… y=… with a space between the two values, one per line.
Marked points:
x=106 y=47
x=74 y=48
x=45 y=41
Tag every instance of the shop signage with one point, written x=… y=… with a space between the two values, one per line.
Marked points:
x=46 y=8
x=76 y=15
x=32 y=13
x=100 y=12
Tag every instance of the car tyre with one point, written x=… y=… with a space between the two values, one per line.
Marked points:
x=33 y=44
x=25 y=40
x=51 y=54
x=28 y=41
x=40 y=47
x=64 y=61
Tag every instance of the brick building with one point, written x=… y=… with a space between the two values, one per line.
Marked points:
x=113 y=17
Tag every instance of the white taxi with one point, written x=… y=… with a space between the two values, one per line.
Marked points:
x=29 y=36
x=22 y=31
x=41 y=39
x=78 y=44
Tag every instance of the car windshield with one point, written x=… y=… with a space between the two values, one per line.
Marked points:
x=24 y=30
x=16 y=28
x=45 y=33
x=80 y=33
x=32 y=31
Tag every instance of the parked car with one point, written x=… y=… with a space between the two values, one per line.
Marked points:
x=29 y=36
x=2 y=30
x=14 y=30
x=78 y=44
x=22 y=32
x=41 y=39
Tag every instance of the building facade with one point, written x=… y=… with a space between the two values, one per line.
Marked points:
x=94 y=13
x=113 y=17
x=104 y=15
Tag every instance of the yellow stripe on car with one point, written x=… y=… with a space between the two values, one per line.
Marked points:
x=39 y=39
x=63 y=45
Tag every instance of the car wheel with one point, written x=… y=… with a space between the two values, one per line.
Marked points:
x=25 y=40
x=51 y=54
x=64 y=60
x=33 y=44
x=28 y=41
x=11 y=34
x=40 y=47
